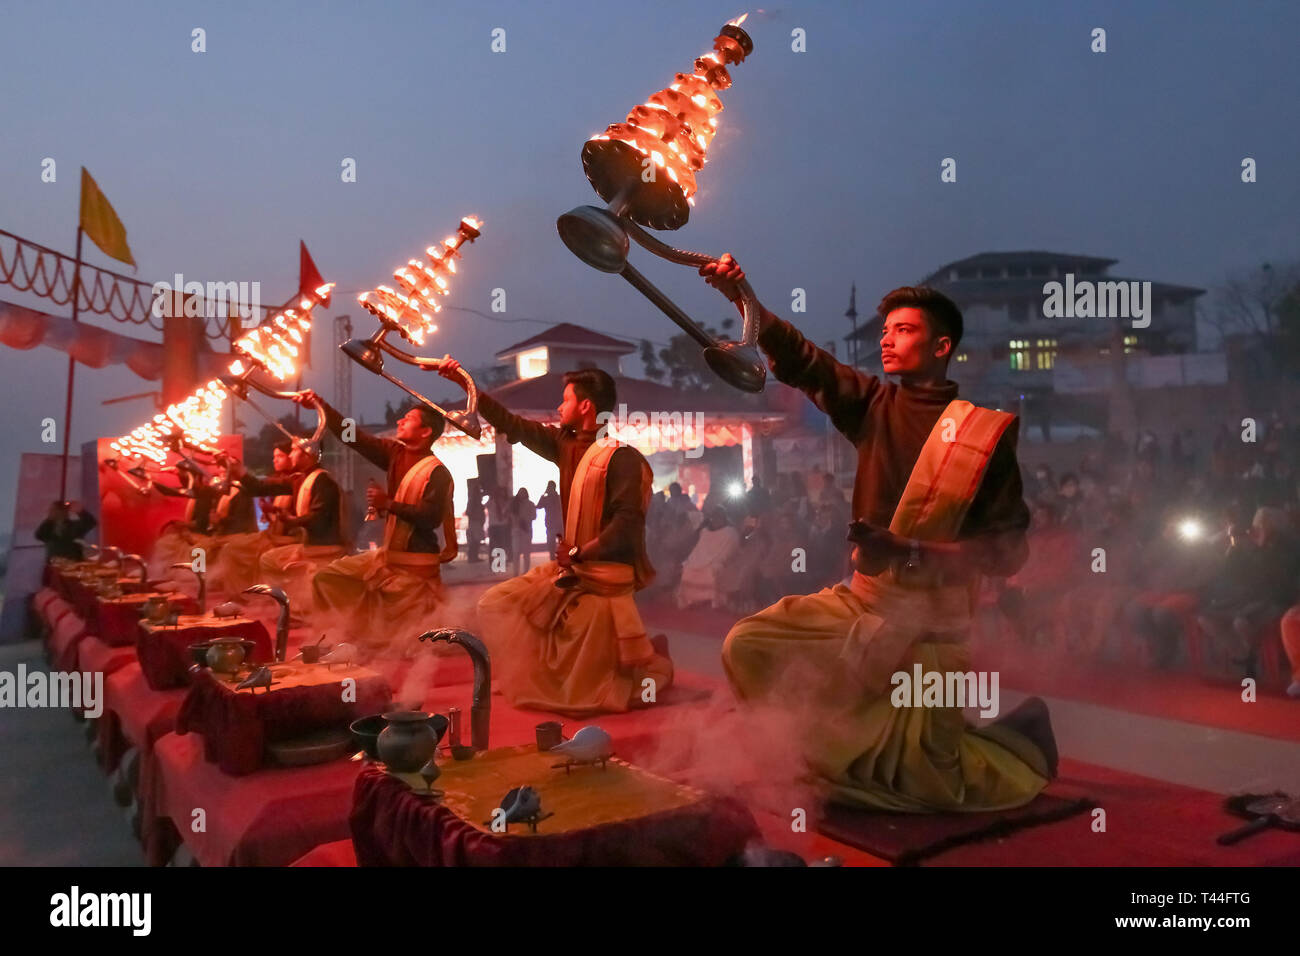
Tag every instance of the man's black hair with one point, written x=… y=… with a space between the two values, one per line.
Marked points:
x=939 y=310
x=595 y=385
x=432 y=419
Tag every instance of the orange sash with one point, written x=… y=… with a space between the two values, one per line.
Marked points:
x=906 y=607
x=608 y=579
x=587 y=506
x=303 y=503
x=397 y=533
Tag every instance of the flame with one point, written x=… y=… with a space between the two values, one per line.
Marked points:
x=410 y=310
x=675 y=126
x=738 y=21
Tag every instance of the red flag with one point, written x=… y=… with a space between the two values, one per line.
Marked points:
x=309 y=277
x=309 y=280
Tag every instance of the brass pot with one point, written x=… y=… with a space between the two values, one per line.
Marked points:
x=225 y=654
x=408 y=741
x=156 y=609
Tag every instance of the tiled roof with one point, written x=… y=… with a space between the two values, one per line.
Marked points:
x=568 y=334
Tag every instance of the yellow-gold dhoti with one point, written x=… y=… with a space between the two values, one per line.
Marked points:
x=828 y=658
x=236 y=567
x=387 y=596
x=291 y=568
x=581 y=650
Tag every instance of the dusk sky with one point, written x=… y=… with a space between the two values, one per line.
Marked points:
x=826 y=169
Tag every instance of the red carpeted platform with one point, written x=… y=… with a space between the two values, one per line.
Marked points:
x=1167 y=694
x=1148 y=823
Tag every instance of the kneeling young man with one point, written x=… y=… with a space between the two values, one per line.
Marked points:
x=387 y=597
x=937 y=502
x=582 y=649
x=316 y=515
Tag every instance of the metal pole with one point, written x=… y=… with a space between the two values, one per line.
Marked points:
x=72 y=368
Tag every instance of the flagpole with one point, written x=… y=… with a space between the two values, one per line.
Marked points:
x=72 y=368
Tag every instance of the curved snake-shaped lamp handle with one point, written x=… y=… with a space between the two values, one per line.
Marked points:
x=239 y=384
x=127 y=475
x=749 y=301
x=369 y=354
x=466 y=421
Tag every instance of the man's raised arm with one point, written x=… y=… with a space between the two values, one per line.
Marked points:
x=841 y=391
x=536 y=437
x=377 y=451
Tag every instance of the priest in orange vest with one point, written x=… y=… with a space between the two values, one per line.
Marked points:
x=236 y=566
x=310 y=526
x=386 y=597
x=566 y=636
x=937 y=502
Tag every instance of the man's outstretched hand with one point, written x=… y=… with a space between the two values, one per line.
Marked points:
x=305 y=398
x=725 y=275
x=448 y=368
x=876 y=547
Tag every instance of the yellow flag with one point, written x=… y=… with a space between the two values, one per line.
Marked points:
x=101 y=223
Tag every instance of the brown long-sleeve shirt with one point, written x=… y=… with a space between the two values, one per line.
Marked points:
x=322 y=518
x=397 y=459
x=888 y=424
x=622 y=521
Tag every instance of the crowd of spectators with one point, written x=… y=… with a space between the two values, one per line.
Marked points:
x=739 y=546
x=1184 y=552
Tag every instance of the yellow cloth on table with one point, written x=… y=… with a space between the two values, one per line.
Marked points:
x=291 y=568
x=299 y=674
x=583 y=798
x=581 y=650
x=236 y=567
x=828 y=658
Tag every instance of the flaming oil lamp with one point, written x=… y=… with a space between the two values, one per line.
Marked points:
x=408 y=312
x=270 y=350
x=645 y=169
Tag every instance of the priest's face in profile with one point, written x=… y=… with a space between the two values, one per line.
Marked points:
x=571 y=408
x=411 y=429
x=910 y=349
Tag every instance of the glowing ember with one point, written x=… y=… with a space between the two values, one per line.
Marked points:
x=672 y=130
x=410 y=311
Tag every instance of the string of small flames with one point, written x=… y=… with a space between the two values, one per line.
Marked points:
x=675 y=126
x=410 y=312
x=196 y=421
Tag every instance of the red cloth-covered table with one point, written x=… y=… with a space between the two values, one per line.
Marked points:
x=336 y=853
x=616 y=816
x=267 y=818
x=135 y=715
x=67 y=631
x=165 y=651
x=96 y=657
x=237 y=725
x=116 y=619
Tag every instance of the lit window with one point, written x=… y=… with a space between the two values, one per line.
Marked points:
x=533 y=363
x=1044 y=353
x=962 y=357
x=1130 y=344
x=1019 y=354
